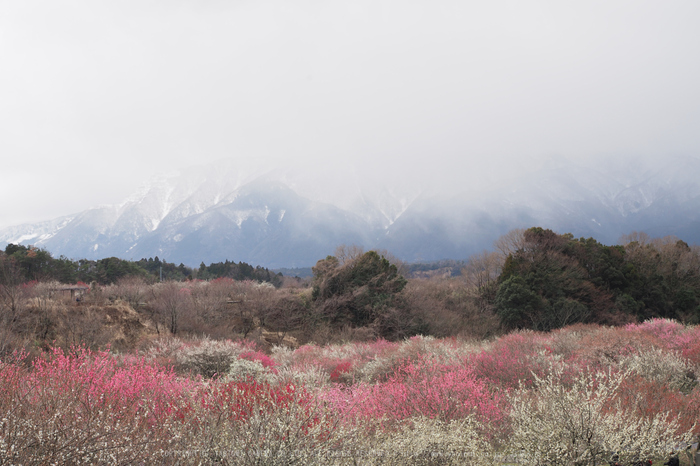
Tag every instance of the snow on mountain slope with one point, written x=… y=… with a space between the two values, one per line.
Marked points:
x=33 y=233
x=266 y=223
x=677 y=181
x=293 y=216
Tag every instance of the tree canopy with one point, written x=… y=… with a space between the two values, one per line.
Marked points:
x=552 y=280
x=358 y=292
x=38 y=264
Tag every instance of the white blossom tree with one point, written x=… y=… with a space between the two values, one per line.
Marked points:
x=581 y=423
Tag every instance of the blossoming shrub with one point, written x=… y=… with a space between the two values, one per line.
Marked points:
x=581 y=424
x=372 y=361
x=511 y=360
x=342 y=363
x=665 y=367
x=567 y=397
x=688 y=343
x=665 y=331
x=422 y=389
x=647 y=398
x=429 y=441
x=251 y=422
x=95 y=408
x=244 y=369
x=259 y=356
x=418 y=348
x=311 y=376
x=83 y=407
x=598 y=350
x=568 y=342
x=204 y=356
x=691 y=412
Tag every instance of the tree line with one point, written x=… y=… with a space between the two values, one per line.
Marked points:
x=532 y=279
x=35 y=264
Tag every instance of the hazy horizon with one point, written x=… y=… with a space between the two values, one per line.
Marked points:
x=100 y=98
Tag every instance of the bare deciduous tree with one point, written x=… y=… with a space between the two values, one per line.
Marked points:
x=483 y=269
x=287 y=312
x=12 y=296
x=401 y=266
x=166 y=305
x=83 y=327
x=510 y=242
x=639 y=237
x=258 y=303
x=346 y=254
x=132 y=289
x=445 y=308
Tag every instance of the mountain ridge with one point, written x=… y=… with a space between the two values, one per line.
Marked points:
x=284 y=218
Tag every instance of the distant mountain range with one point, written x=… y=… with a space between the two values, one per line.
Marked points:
x=292 y=218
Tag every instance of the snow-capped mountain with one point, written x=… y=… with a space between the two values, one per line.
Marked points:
x=293 y=217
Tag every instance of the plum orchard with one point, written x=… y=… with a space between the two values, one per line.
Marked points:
x=589 y=390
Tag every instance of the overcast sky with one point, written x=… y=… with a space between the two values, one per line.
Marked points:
x=97 y=97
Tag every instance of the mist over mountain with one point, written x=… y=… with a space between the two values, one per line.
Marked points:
x=292 y=217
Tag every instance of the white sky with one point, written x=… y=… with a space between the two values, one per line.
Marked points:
x=96 y=97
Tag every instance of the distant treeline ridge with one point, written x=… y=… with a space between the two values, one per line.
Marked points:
x=38 y=264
